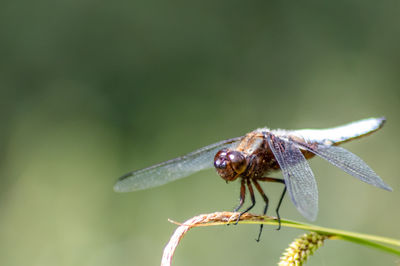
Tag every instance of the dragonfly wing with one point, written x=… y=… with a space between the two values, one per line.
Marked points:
x=348 y=162
x=299 y=179
x=174 y=169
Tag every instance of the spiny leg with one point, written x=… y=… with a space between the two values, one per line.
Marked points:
x=253 y=199
x=258 y=187
x=242 y=195
x=277 y=208
x=271 y=179
x=277 y=180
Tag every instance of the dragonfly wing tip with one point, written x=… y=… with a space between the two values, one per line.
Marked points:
x=120 y=187
x=117 y=187
x=386 y=187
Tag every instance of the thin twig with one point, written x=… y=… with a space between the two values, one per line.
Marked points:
x=220 y=218
x=201 y=220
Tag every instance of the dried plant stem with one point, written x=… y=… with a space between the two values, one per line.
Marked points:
x=221 y=218
x=217 y=217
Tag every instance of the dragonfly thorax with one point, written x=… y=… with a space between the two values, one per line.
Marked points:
x=230 y=164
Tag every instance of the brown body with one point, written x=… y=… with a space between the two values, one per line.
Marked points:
x=259 y=159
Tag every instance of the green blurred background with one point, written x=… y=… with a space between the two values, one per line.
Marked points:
x=90 y=90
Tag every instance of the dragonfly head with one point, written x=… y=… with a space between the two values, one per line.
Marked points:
x=230 y=164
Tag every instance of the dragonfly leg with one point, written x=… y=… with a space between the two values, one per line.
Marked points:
x=253 y=199
x=242 y=195
x=258 y=187
x=277 y=208
x=277 y=180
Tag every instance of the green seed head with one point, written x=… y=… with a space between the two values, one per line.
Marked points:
x=301 y=248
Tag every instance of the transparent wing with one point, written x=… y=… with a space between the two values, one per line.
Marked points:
x=347 y=161
x=174 y=169
x=299 y=179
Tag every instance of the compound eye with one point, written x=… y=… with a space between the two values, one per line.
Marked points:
x=238 y=161
x=220 y=164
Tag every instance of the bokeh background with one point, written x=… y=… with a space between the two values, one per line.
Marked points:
x=90 y=90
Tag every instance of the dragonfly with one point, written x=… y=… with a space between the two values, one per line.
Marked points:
x=252 y=157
